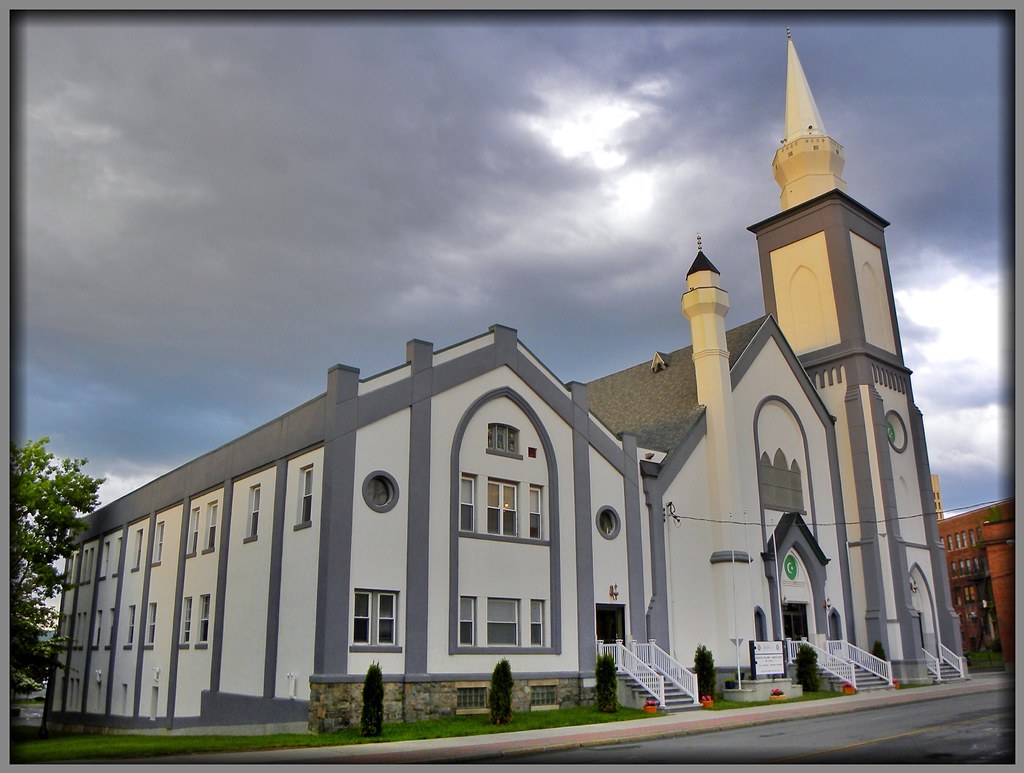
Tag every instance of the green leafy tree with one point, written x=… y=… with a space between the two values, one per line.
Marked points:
x=704 y=667
x=501 y=693
x=807 y=668
x=371 y=722
x=607 y=684
x=48 y=498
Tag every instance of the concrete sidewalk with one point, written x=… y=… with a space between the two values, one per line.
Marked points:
x=470 y=748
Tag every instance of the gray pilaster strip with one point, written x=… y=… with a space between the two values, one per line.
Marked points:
x=117 y=618
x=274 y=586
x=949 y=621
x=849 y=616
x=586 y=624
x=333 y=593
x=421 y=355
x=634 y=539
x=217 y=646
x=657 y=609
x=870 y=550
x=143 y=616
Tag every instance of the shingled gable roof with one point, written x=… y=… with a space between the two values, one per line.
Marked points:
x=659 y=408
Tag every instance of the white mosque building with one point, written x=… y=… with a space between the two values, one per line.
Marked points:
x=769 y=482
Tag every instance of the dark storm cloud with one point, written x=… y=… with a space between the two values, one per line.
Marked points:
x=215 y=213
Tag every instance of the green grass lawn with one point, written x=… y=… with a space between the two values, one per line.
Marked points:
x=27 y=748
x=980 y=661
x=723 y=705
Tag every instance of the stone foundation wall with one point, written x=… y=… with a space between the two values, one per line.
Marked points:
x=338 y=705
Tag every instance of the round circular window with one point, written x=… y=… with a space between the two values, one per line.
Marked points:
x=896 y=431
x=608 y=523
x=380 y=491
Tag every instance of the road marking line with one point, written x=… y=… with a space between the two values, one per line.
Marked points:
x=892 y=737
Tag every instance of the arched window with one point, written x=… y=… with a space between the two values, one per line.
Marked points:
x=760 y=625
x=781 y=483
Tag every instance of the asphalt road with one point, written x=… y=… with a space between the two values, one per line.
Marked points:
x=975 y=729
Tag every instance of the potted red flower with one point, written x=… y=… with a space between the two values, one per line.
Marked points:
x=650 y=706
x=848 y=689
x=777 y=695
x=707 y=701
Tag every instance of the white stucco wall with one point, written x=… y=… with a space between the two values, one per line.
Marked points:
x=194 y=661
x=299 y=567
x=248 y=583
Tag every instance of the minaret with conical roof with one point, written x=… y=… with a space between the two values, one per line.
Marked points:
x=809 y=162
x=826 y=280
x=705 y=305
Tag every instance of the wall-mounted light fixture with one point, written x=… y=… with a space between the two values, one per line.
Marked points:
x=828 y=604
x=913 y=585
x=99 y=676
x=613 y=591
x=156 y=673
x=670 y=512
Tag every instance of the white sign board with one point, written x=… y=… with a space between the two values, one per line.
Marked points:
x=767 y=658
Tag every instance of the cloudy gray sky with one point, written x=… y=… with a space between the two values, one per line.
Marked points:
x=211 y=211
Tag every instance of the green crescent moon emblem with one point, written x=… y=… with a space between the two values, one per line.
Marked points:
x=789 y=567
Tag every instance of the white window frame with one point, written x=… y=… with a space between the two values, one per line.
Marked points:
x=106 y=559
x=467 y=504
x=151 y=624
x=503 y=520
x=253 y=523
x=306 y=494
x=158 y=551
x=131 y=625
x=374 y=615
x=496 y=606
x=186 y=620
x=467 y=621
x=204 y=618
x=193 y=532
x=211 y=526
x=536 y=512
x=139 y=537
x=536 y=622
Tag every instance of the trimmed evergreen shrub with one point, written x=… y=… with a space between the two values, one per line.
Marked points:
x=704 y=667
x=371 y=721
x=607 y=684
x=807 y=668
x=501 y=693
x=878 y=650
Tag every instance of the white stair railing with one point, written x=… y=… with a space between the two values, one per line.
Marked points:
x=834 y=665
x=956 y=661
x=933 y=664
x=628 y=663
x=854 y=654
x=678 y=674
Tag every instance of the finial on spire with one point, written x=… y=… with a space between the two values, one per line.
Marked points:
x=698 y=243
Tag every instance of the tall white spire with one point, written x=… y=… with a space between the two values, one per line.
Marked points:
x=802 y=116
x=809 y=162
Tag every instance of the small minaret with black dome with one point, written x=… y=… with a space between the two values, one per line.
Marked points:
x=826 y=280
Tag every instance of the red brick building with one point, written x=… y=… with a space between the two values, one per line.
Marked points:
x=979 y=548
